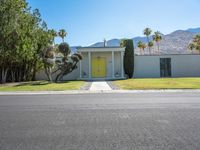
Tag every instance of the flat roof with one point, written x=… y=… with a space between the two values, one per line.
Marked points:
x=163 y=54
x=99 y=47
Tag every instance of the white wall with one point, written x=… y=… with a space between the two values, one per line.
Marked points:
x=145 y=66
x=85 y=65
x=108 y=56
x=74 y=75
x=181 y=66
x=186 y=66
x=118 y=63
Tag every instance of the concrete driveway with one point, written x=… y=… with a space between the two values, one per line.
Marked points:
x=137 y=121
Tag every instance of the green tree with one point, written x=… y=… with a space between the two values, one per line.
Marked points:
x=49 y=59
x=147 y=32
x=157 y=37
x=11 y=31
x=128 y=56
x=64 y=48
x=54 y=34
x=191 y=47
x=150 y=44
x=141 y=46
x=62 y=33
x=23 y=35
x=68 y=63
x=195 y=43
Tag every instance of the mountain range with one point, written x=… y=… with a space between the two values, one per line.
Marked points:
x=173 y=43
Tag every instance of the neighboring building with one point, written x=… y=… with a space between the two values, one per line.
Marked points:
x=101 y=63
x=172 y=65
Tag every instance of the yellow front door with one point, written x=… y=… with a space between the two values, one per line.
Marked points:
x=98 y=67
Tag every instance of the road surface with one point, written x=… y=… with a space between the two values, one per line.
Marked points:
x=140 y=121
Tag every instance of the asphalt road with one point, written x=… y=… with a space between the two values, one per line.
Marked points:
x=151 y=121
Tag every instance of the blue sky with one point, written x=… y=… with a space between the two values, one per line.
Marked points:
x=89 y=21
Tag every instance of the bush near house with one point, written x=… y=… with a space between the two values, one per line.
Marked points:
x=128 y=56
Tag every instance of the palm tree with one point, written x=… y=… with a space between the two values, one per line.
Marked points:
x=53 y=34
x=62 y=33
x=143 y=46
x=150 y=44
x=140 y=45
x=157 y=37
x=195 y=43
x=147 y=32
x=191 y=46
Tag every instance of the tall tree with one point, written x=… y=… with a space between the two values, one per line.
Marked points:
x=62 y=33
x=191 y=47
x=54 y=35
x=157 y=37
x=141 y=46
x=150 y=44
x=147 y=32
x=128 y=56
x=23 y=35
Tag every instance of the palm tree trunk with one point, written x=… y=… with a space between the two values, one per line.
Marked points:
x=140 y=51
x=158 y=47
x=148 y=45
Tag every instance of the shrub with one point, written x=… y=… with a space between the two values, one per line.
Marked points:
x=128 y=56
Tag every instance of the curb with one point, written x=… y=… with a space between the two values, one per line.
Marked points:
x=96 y=92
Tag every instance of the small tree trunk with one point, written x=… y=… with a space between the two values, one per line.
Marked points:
x=13 y=75
x=4 y=75
x=140 y=51
x=158 y=47
x=48 y=72
x=34 y=74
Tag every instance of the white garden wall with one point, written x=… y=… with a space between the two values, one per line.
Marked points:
x=148 y=66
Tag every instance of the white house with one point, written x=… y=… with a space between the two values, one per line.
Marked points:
x=102 y=63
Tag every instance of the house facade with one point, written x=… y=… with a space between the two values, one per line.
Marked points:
x=106 y=63
x=101 y=63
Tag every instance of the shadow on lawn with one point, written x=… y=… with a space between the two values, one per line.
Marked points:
x=39 y=83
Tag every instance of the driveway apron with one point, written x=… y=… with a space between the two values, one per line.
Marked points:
x=100 y=86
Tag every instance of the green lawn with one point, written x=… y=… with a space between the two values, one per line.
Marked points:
x=43 y=86
x=158 y=83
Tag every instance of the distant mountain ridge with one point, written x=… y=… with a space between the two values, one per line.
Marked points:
x=173 y=43
x=194 y=30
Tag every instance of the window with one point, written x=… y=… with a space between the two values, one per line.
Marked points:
x=165 y=67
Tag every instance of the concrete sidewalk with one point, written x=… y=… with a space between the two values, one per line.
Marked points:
x=95 y=92
x=100 y=86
